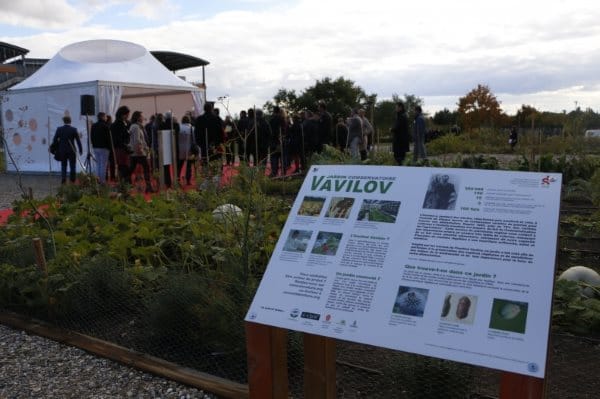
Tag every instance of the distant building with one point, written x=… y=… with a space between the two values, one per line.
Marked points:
x=14 y=66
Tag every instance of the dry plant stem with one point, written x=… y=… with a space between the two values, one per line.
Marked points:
x=28 y=198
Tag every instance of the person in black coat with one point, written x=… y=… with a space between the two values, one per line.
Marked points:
x=64 y=139
x=295 y=135
x=513 y=137
x=119 y=131
x=242 y=134
x=208 y=133
x=401 y=136
x=100 y=136
x=277 y=131
x=263 y=133
x=341 y=135
x=325 y=125
x=310 y=137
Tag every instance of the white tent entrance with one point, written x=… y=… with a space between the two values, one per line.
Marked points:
x=114 y=72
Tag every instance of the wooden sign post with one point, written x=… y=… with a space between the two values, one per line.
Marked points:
x=268 y=376
x=319 y=367
x=267 y=364
x=267 y=361
x=518 y=386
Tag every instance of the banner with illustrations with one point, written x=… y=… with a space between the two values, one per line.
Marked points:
x=452 y=263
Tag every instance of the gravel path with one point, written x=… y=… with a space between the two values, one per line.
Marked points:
x=41 y=185
x=34 y=367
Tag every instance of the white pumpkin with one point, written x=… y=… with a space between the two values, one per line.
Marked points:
x=582 y=274
x=226 y=211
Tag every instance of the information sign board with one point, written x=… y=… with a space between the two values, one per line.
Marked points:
x=452 y=263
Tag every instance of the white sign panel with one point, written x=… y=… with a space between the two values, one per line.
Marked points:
x=166 y=139
x=452 y=263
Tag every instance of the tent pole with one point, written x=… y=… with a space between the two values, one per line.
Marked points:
x=49 y=156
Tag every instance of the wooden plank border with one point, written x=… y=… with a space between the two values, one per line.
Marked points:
x=128 y=357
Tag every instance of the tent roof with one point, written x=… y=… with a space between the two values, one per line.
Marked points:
x=103 y=60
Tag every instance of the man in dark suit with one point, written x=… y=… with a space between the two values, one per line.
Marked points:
x=65 y=138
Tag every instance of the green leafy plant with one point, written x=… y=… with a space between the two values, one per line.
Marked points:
x=22 y=288
x=99 y=290
x=479 y=162
x=595 y=187
x=574 y=312
x=578 y=190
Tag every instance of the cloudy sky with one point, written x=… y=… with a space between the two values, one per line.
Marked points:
x=540 y=53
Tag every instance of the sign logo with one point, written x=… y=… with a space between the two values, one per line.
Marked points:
x=533 y=367
x=253 y=315
x=311 y=316
x=328 y=317
x=546 y=181
x=294 y=313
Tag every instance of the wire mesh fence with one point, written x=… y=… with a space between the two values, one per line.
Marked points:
x=181 y=323
x=193 y=315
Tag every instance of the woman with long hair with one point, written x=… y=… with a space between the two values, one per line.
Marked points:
x=119 y=133
x=140 y=149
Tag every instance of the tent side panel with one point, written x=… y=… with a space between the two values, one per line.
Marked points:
x=179 y=103
x=30 y=120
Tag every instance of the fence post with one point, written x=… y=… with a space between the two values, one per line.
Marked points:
x=266 y=349
x=517 y=386
x=40 y=258
x=319 y=367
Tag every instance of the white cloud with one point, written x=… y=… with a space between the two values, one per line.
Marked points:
x=525 y=51
x=40 y=14
x=154 y=10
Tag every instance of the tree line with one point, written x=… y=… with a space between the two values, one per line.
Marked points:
x=479 y=108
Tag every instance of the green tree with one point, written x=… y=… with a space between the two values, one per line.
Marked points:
x=284 y=98
x=340 y=96
x=410 y=103
x=479 y=108
x=527 y=116
x=385 y=111
x=445 y=117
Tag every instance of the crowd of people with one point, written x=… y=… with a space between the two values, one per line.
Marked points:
x=286 y=141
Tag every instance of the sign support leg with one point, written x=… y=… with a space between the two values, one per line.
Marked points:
x=518 y=386
x=267 y=361
x=319 y=367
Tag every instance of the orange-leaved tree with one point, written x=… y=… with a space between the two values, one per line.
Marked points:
x=479 y=108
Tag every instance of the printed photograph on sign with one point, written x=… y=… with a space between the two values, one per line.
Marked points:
x=410 y=301
x=459 y=308
x=509 y=315
x=297 y=241
x=327 y=243
x=441 y=192
x=311 y=206
x=340 y=207
x=379 y=211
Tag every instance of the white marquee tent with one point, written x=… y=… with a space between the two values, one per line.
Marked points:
x=114 y=72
